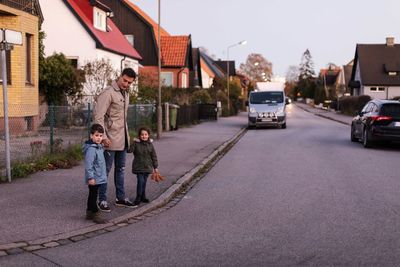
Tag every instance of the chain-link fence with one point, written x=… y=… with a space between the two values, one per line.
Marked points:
x=37 y=130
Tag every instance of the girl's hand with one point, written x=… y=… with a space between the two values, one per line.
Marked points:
x=91 y=181
x=155 y=170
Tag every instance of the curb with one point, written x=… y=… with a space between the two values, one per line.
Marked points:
x=134 y=216
x=323 y=116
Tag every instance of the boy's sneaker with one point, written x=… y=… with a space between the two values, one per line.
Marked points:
x=103 y=206
x=125 y=203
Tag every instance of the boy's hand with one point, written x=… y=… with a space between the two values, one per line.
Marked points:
x=91 y=181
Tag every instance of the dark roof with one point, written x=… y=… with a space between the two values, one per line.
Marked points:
x=112 y=40
x=375 y=61
x=347 y=73
x=195 y=74
x=211 y=63
x=222 y=64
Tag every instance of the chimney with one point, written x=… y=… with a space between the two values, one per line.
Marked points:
x=389 y=41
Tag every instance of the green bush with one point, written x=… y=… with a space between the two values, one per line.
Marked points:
x=64 y=159
x=351 y=104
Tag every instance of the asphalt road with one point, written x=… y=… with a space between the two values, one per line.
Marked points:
x=304 y=195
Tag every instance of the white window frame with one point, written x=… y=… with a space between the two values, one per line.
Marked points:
x=131 y=39
x=377 y=89
x=184 y=80
x=164 y=77
x=99 y=19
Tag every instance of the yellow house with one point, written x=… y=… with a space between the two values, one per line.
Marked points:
x=22 y=65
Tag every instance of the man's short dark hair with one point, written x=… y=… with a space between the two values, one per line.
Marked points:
x=96 y=128
x=129 y=72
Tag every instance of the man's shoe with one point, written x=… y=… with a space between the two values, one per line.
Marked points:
x=90 y=215
x=145 y=200
x=98 y=219
x=124 y=203
x=136 y=202
x=103 y=206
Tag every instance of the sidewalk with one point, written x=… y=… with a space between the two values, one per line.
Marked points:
x=47 y=207
x=328 y=114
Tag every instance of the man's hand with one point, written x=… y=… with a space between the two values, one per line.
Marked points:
x=92 y=181
x=106 y=142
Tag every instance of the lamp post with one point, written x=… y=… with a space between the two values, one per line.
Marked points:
x=227 y=71
x=159 y=108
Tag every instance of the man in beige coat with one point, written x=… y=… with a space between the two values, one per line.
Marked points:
x=110 y=111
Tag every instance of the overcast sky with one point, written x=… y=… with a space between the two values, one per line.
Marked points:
x=280 y=30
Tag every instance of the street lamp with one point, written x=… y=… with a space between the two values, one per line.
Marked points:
x=159 y=108
x=227 y=70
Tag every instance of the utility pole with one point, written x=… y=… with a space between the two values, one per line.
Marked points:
x=159 y=108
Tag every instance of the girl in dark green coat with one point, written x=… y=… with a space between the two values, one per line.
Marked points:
x=144 y=162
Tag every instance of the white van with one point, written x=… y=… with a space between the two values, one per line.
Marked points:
x=267 y=108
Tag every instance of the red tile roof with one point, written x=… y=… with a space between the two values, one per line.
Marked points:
x=146 y=17
x=174 y=50
x=112 y=40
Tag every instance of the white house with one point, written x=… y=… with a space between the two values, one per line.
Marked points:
x=376 y=70
x=83 y=31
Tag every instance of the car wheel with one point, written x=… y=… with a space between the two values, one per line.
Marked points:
x=366 y=139
x=352 y=137
x=283 y=126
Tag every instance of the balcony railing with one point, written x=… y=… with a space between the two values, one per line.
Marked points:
x=29 y=6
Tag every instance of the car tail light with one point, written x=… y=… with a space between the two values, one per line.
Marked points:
x=381 y=119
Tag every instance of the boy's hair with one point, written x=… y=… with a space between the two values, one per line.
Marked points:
x=96 y=128
x=144 y=129
x=129 y=72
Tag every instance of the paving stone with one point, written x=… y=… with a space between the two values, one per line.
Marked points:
x=112 y=228
x=132 y=221
x=91 y=234
x=33 y=248
x=78 y=238
x=13 y=245
x=51 y=244
x=100 y=232
x=15 y=251
x=122 y=224
x=64 y=242
x=3 y=253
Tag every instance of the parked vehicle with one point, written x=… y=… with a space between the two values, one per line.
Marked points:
x=267 y=108
x=379 y=120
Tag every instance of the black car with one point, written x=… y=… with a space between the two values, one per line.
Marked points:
x=379 y=120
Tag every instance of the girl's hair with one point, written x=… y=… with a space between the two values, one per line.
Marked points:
x=143 y=129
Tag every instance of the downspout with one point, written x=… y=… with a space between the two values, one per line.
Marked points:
x=177 y=77
x=122 y=61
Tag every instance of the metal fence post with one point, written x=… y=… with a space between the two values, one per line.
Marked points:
x=88 y=119
x=52 y=122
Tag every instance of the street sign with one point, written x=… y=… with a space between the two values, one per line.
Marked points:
x=12 y=37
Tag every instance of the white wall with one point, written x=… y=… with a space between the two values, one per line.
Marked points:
x=393 y=91
x=207 y=80
x=64 y=33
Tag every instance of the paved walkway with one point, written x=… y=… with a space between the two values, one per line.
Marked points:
x=50 y=206
x=328 y=114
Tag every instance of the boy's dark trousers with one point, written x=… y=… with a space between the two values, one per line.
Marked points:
x=92 y=198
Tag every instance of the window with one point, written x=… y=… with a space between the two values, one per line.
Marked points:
x=131 y=39
x=184 y=80
x=99 y=19
x=8 y=62
x=28 y=58
x=166 y=78
x=73 y=61
x=377 y=89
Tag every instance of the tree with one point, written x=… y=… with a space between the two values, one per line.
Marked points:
x=254 y=68
x=306 y=84
x=99 y=73
x=292 y=74
x=59 y=79
x=306 y=68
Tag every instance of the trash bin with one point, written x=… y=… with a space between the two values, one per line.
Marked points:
x=173 y=114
